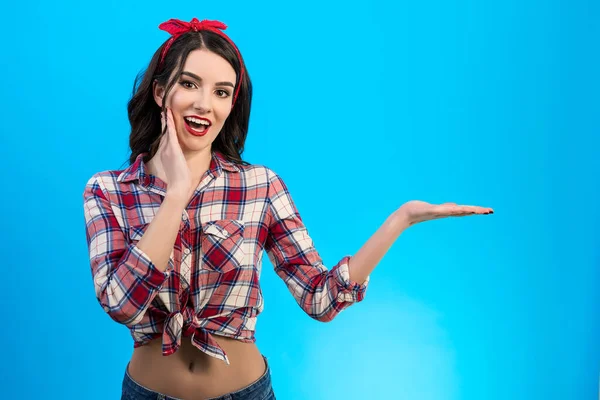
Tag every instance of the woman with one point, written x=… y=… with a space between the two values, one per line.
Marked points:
x=176 y=239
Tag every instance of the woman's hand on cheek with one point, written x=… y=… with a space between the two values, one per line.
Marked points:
x=173 y=163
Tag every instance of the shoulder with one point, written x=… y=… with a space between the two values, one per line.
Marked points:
x=271 y=185
x=259 y=173
x=103 y=183
x=263 y=176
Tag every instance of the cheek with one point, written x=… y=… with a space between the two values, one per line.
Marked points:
x=222 y=112
x=178 y=98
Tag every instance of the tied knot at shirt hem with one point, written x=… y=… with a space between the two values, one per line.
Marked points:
x=175 y=329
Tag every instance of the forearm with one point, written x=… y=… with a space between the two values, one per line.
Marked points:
x=159 y=238
x=370 y=254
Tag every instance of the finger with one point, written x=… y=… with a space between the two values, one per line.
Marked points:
x=454 y=210
x=164 y=141
x=471 y=210
x=164 y=138
x=171 y=125
x=449 y=209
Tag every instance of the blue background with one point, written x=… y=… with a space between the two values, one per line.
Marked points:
x=359 y=106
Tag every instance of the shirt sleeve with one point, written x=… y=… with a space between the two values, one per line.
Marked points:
x=125 y=279
x=320 y=292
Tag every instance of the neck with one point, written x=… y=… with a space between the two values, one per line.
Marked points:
x=197 y=161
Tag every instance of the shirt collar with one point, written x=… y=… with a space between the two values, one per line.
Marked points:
x=138 y=170
x=219 y=160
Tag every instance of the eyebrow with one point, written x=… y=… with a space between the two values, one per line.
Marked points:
x=196 y=77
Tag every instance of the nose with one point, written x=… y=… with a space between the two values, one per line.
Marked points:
x=202 y=103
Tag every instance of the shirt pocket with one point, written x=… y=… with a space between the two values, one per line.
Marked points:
x=223 y=245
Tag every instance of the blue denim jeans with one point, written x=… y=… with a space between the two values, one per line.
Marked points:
x=259 y=390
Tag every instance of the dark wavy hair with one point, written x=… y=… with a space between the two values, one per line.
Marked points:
x=144 y=113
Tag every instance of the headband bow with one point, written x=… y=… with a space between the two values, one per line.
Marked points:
x=176 y=28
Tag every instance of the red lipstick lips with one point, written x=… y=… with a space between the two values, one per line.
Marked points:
x=197 y=129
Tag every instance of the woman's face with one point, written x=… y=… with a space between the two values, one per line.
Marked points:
x=200 y=100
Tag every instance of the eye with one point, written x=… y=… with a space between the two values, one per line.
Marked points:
x=188 y=84
x=222 y=93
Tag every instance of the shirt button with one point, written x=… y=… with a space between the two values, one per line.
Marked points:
x=186 y=251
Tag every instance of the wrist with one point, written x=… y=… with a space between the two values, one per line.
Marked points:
x=175 y=200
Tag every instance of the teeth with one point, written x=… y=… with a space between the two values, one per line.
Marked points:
x=198 y=121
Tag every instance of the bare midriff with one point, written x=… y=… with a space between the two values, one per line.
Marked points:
x=191 y=374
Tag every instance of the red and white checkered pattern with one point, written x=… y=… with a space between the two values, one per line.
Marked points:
x=211 y=285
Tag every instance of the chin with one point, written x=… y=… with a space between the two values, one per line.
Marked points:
x=196 y=147
x=191 y=143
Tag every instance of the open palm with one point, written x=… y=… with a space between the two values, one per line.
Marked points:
x=418 y=211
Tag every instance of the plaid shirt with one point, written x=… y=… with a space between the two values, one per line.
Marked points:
x=211 y=284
